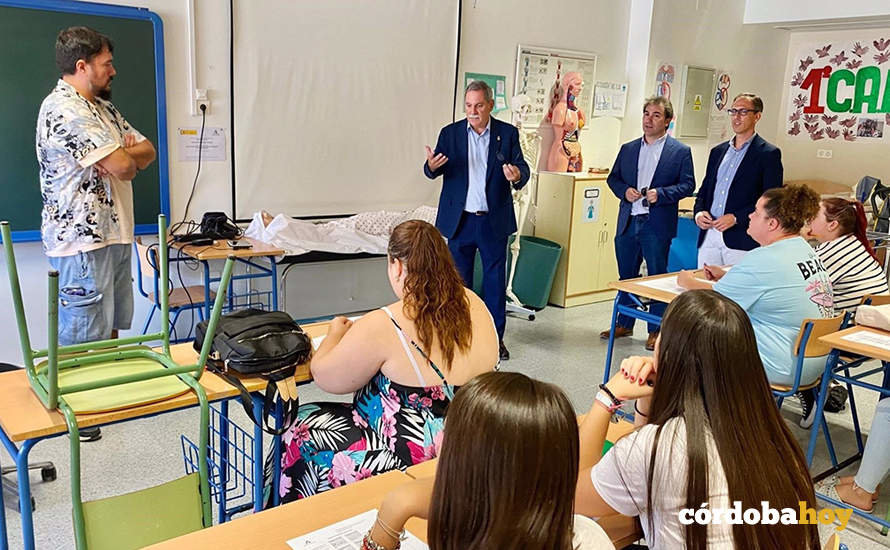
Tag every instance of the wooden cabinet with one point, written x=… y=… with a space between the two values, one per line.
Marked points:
x=579 y=212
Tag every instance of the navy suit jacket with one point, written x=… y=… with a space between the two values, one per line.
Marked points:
x=504 y=141
x=674 y=179
x=761 y=169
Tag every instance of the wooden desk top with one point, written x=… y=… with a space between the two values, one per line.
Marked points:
x=633 y=286
x=220 y=250
x=271 y=529
x=837 y=341
x=22 y=415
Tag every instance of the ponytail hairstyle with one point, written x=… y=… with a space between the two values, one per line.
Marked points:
x=850 y=218
x=435 y=298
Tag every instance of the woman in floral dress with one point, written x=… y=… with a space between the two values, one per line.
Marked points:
x=403 y=364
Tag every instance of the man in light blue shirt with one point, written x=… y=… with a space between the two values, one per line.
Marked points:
x=649 y=177
x=738 y=173
x=481 y=162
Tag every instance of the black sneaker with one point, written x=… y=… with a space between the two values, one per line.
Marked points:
x=807 y=407
x=90 y=434
x=503 y=352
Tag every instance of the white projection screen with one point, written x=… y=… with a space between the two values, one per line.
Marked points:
x=335 y=100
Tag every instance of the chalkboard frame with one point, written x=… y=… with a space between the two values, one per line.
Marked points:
x=122 y=12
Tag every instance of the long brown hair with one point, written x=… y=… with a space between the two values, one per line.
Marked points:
x=793 y=206
x=850 y=218
x=435 y=299
x=508 y=468
x=710 y=375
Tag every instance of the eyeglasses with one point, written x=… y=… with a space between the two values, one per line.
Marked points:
x=741 y=112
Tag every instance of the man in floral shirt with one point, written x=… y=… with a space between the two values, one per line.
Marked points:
x=88 y=153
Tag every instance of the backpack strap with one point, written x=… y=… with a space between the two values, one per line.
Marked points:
x=290 y=406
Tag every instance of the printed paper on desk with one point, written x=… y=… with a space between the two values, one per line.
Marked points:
x=347 y=535
x=668 y=284
x=869 y=338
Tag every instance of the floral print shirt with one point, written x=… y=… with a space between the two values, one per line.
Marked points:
x=80 y=212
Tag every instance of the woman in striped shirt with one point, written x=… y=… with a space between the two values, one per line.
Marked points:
x=850 y=262
x=845 y=252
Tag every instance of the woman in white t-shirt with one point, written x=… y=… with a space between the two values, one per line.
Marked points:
x=506 y=475
x=710 y=436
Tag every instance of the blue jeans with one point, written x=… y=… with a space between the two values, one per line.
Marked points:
x=638 y=242
x=876 y=458
x=95 y=293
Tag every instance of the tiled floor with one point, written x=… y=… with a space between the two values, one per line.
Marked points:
x=561 y=346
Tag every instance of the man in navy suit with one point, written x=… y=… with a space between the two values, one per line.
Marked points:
x=481 y=161
x=739 y=171
x=649 y=177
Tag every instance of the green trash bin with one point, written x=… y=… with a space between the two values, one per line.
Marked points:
x=535 y=270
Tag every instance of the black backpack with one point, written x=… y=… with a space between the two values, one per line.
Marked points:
x=268 y=344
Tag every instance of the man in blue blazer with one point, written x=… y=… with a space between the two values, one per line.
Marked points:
x=649 y=177
x=739 y=171
x=481 y=162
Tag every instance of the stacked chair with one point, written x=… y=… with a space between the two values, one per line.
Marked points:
x=117 y=374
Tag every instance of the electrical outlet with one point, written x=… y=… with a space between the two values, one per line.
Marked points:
x=823 y=154
x=201 y=99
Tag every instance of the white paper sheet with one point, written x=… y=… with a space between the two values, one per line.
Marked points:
x=347 y=535
x=869 y=338
x=668 y=284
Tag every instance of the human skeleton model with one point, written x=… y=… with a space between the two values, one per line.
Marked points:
x=567 y=119
x=530 y=143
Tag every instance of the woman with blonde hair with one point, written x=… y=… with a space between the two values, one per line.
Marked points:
x=403 y=364
x=505 y=478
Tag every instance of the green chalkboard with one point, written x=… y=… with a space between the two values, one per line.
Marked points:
x=27 y=40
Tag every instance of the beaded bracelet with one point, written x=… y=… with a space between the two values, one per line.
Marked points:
x=369 y=544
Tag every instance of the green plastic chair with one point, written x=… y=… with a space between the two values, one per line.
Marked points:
x=116 y=374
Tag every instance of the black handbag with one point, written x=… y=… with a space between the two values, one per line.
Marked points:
x=268 y=344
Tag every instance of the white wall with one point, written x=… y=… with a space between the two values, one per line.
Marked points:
x=492 y=30
x=850 y=160
x=710 y=33
x=785 y=11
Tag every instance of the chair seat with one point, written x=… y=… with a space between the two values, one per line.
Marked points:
x=135 y=520
x=180 y=296
x=118 y=397
x=781 y=388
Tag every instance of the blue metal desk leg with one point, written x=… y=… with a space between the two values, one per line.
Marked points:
x=223 y=459
x=820 y=405
x=257 y=455
x=276 y=458
x=207 y=300
x=608 y=368
x=24 y=481
x=274 y=267
x=4 y=540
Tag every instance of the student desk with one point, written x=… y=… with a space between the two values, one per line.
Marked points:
x=24 y=420
x=220 y=250
x=839 y=344
x=622 y=530
x=271 y=529
x=636 y=290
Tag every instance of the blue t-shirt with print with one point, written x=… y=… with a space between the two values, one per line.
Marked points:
x=779 y=286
